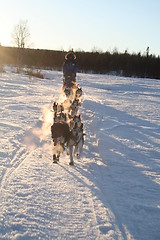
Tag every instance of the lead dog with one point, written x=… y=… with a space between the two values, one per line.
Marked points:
x=62 y=136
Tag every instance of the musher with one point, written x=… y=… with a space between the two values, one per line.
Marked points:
x=69 y=69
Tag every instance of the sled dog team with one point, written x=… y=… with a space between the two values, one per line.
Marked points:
x=67 y=129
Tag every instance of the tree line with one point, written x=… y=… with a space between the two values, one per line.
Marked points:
x=124 y=64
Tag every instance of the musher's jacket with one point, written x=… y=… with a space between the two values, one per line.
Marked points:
x=70 y=68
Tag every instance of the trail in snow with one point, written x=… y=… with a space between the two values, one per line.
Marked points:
x=110 y=193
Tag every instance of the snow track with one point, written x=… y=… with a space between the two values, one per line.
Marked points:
x=17 y=160
x=112 y=192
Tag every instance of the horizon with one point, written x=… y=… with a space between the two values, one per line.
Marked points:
x=100 y=51
x=85 y=25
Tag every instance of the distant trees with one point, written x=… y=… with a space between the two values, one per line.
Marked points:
x=21 y=34
x=20 y=38
x=123 y=64
x=147 y=51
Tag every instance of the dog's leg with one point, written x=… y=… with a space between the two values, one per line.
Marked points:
x=60 y=149
x=58 y=156
x=80 y=147
x=54 y=158
x=75 y=150
x=54 y=153
x=71 y=155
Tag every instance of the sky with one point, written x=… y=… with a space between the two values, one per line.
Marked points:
x=105 y=25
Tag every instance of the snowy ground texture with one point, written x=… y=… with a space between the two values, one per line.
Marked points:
x=112 y=192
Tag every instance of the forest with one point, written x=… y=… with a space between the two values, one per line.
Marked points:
x=115 y=63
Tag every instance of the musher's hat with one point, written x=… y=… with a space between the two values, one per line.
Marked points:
x=70 y=55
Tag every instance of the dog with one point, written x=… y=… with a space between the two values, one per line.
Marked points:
x=69 y=88
x=62 y=136
x=67 y=91
x=55 y=106
x=73 y=109
x=60 y=117
x=78 y=93
x=58 y=107
x=68 y=84
x=79 y=135
x=74 y=120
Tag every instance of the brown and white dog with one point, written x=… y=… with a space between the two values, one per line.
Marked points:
x=58 y=107
x=62 y=136
x=59 y=115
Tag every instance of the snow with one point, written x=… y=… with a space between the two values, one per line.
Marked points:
x=112 y=192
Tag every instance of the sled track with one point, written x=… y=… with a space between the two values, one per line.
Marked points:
x=104 y=224
x=17 y=160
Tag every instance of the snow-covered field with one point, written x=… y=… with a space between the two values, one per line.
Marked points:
x=112 y=192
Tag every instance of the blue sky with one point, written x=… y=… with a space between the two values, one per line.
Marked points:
x=85 y=24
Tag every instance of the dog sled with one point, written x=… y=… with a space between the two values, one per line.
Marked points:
x=67 y=129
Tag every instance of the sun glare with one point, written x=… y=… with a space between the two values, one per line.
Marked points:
x=5 y=35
